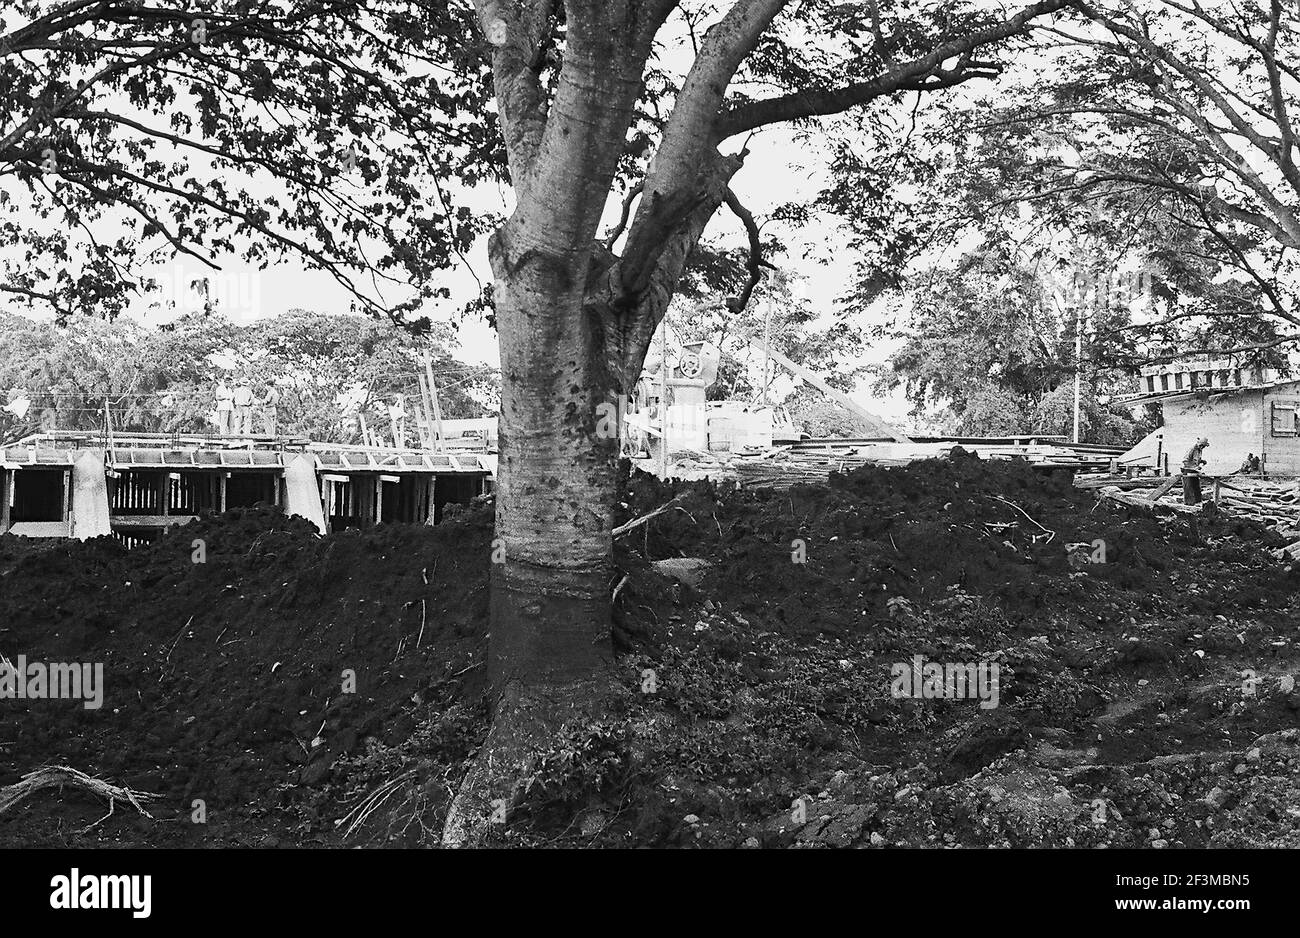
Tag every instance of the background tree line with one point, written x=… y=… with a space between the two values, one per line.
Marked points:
x=162 y=380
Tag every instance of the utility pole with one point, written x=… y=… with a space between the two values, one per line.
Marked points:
x=663 y=397
x=1078 y=365
x=767 y=345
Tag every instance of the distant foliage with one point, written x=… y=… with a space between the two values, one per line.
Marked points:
x=991 y=411
x=327 y=368
x=988 y=345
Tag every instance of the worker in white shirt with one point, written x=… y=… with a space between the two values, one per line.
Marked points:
x=243 y=410
x=1192 y=464
x=225 y=408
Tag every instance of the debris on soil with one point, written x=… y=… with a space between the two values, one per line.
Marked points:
x=60 y=777
x=281 y=692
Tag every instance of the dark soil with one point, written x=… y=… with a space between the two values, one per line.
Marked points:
x=765 y=688
x=224 y=679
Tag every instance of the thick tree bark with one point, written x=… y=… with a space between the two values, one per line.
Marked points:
x=550 y=648
x=555 y=489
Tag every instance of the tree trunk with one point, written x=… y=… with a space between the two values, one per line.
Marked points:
x=550 y=650
x=555 y=496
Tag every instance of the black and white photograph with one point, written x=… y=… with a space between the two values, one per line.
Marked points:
x=446 y=444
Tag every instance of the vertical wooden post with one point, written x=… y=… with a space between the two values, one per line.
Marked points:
x=433 y=491
x=6 y=498
x=427 y=437
x=436 y=411
x=663 y=398
x=67 y=493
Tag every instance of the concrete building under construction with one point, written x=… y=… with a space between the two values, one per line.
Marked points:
x=1241 y=411
x=70 y=484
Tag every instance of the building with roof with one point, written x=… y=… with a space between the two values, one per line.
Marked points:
x=1242 y=411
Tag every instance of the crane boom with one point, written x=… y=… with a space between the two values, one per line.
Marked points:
x=852 y=406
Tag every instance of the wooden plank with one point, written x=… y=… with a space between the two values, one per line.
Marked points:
x=6 y=496
x=1169 y=484
x=436 y=405
x=151 y=521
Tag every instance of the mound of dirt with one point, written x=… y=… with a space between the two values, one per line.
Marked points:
x=293 y=683
x=829 y=559
x=242 y=653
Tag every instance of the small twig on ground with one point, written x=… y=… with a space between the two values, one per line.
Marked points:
x=476 y=664
x=372 y=802
x=178 y=638
x=1006 y=501
x=60 y=776
x=424 y=575
x=637 y=522
x=614 y=598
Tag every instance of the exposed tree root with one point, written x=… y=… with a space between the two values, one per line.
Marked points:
x=525 y=721
x=59 y=776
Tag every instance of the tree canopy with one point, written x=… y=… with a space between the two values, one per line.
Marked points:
x=325 y=132
x=1159 y=134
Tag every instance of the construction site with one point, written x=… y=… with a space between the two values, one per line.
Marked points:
x=515 y=430
x=767 y=581
x=133 y=486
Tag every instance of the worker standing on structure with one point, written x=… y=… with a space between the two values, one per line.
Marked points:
x=243 y=410
x=1192 y=464
x=225 y=407
x=268 y=404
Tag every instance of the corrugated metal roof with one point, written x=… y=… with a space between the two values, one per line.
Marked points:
x=1153 y=396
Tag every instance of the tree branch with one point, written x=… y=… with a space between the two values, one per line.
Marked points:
x=909 y=76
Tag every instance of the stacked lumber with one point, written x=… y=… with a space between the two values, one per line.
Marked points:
x=813 y=461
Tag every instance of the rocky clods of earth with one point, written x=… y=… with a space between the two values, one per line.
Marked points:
x=1245 y=798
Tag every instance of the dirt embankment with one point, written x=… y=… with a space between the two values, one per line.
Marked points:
x=1142 y=699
